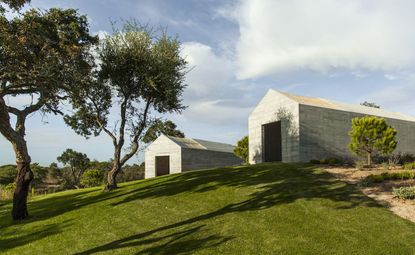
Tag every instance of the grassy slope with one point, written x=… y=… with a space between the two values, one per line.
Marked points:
x=263 y=209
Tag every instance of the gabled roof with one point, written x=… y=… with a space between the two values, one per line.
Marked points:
x=190 y=143
x=324 y=103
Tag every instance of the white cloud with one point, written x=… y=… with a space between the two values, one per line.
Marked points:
x=323 y=35
x=213 y=94
x=210 y=72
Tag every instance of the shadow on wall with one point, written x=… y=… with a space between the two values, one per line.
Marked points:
x=290 y=133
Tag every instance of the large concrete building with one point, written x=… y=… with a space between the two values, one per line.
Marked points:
x=289 y=128
x=167 y=155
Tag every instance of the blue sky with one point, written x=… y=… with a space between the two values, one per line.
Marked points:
x=348 y=51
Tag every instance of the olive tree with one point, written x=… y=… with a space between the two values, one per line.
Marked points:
x=242 y=149
x=370 y=136
x=43 y=54
x=161 y=127
x=141 y=73
x=77 y=162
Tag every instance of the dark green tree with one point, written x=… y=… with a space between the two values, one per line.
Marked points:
x=161 y=127
x=242 y=149
x=12 y=4
x=43 y=55
x=77 y=162
x=370 y=136
x=370 y=104
x=141 y=71
x=92 y=178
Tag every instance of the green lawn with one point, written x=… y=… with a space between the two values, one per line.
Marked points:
x=262 y=209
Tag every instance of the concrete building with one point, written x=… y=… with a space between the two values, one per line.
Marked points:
x=167 y=155
x=289 y=128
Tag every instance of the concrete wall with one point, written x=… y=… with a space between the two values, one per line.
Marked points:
x=274 y=107
x=325 y=133
x=163 y=146
x=193 y=159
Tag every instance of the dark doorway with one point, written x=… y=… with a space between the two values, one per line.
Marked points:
x=271 y=142
x=162 y=165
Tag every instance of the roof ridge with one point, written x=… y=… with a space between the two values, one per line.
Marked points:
x=348 y=107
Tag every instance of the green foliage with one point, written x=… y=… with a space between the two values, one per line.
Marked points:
x=10 y=187
x=315 y=161
x=369 y=104
x=161 y=127
x=271 y=198
x=40 y=174
x=77 y=163
x=395 y=159
x=370 y=136
x=7 y=174
x=45 y=54
x=142 y=73
x=327 y=161
x=404 y=192
x=131 y=173
x=13 y=4
x=409 y=166
x=242 y=149
x=406 y=175
x=92 y=178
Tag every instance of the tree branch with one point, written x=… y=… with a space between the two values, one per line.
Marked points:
x=134 y=142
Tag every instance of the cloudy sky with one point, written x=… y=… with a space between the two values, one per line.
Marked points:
x=348 y=51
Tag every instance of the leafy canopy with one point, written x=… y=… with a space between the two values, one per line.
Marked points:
x=92 y=178
x=141 y=72
x=372 y=135
x=370 y=104
x=162 y=127
x=44 y=54
x=242 y=149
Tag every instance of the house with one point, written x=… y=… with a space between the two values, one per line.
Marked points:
x=290 y=128
x=167 y=155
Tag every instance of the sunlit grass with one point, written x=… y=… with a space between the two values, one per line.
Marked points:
x=262 y=209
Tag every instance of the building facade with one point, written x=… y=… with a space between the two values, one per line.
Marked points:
x=290 y=128
x=167 y=155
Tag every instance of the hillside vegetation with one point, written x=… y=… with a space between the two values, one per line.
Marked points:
x=261 y=209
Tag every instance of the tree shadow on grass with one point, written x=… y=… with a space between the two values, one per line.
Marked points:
x=274 y=185
x=34 y=235
x=279 y=183
x=175 y=243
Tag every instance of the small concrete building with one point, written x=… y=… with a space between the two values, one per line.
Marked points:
x=167 y=155
x=290 y=128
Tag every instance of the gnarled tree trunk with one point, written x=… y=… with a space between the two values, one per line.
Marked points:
x=112 y=177
x=23 y=179
x=24 y=173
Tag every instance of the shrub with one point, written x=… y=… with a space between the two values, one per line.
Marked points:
x=409 y=166
x=242 y=149
x=92 y=178
x=328 y=161
x=404 y=192
x=371 y=136
x=407 y=175
x=375 y=178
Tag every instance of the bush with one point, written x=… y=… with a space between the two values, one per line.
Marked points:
x=92 y=178
x=315 y=161
x=327 y=161
x=409 y=166
x=7 y=174
x=404 y=192
x=407 y=175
